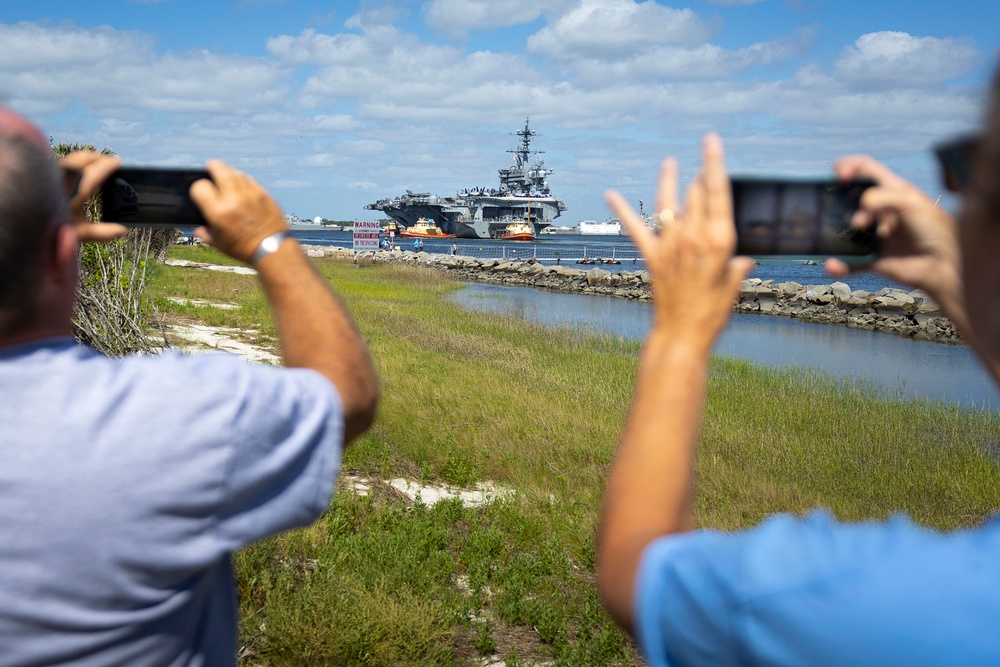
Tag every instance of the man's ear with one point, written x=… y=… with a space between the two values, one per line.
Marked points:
x=64 y=254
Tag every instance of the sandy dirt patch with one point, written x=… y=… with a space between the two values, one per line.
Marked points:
x=202 y=338
x=430 y=494
x=242 y=270
x=202 y=303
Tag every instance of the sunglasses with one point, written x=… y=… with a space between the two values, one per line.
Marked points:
x=955 y=158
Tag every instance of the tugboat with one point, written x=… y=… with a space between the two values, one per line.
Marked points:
x=484 y=213
x=425 y=229
x=518 y=230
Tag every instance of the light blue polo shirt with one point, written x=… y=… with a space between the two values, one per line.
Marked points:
x=810 y=591
x=125 y=484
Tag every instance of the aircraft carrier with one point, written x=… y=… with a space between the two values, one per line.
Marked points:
x=485 y=212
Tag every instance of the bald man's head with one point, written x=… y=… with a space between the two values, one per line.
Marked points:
x=14 y=124
x=32 y=203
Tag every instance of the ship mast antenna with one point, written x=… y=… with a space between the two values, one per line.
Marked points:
x=523 y=150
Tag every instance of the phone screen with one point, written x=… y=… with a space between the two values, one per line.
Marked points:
x=151 y=196
x=801 y=218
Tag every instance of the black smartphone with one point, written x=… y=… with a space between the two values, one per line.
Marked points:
x=803 y=218
x=151 y=196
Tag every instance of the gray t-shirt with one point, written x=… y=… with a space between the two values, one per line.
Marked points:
x=125 y=484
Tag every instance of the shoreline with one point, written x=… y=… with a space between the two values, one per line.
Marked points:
x=909 y=314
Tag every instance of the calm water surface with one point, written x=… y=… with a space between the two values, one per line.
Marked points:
x=897 y=366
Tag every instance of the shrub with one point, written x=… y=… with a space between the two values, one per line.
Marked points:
x=112 y=310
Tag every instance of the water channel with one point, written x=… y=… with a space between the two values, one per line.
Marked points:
x=896 y=366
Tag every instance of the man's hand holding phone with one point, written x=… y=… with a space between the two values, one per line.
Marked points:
x=240 y=213
x=85 y=171
x=918 y=239
x=227 y=207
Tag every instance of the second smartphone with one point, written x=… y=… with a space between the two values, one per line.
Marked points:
x=151 y=196
x=805 y=218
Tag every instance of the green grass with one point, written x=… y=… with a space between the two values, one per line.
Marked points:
x=469 y=398
x=202 y=253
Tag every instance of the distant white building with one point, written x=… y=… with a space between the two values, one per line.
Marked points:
x=609 y=227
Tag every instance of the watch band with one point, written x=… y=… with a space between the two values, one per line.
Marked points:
x=267 y=246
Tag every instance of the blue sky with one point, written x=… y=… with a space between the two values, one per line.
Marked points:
x=333 y=105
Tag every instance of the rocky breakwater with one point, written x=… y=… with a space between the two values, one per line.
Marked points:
x=901 y=312
x=904 y=313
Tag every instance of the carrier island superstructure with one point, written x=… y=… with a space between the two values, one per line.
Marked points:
x=485 y=212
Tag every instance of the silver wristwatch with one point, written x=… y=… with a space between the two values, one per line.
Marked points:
x=267 y=246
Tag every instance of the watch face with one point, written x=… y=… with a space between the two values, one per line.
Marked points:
x=267 y=246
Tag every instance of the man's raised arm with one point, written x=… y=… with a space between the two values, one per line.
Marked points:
x=314 y=328
x=695 y=280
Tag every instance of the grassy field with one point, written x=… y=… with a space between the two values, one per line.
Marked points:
x=470 y=398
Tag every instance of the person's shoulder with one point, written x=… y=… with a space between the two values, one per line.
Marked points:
x=173 y=364
x=794 y=570
x=786 y=551
x=218 y=371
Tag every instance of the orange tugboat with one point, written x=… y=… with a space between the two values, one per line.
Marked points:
x=518 y=230
x=424 y=229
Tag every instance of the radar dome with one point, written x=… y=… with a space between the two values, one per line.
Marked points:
x=318 y=220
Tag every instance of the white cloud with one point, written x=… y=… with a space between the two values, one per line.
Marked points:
x=375 y=17
x=121 y=128
x=336 y=123
x=457 y=17
x=898 y=58
x=386 y=68
x=612 y=85
x=108 y=69
x=363 y=147
x=33 y=47
x=319 y=49
x=289 y=184
x=707 y=62
x=322 y=160
x=615 y=29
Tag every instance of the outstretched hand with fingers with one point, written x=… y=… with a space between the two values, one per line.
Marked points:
x=919 y=240
x=695 y=276
x=93 y=169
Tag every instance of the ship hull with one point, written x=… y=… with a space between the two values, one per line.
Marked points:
x=407 y=234
x=472 y=217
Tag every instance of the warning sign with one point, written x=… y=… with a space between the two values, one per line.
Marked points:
x=366 y=235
